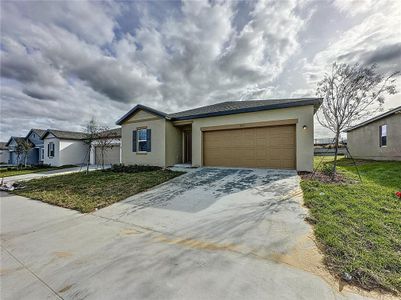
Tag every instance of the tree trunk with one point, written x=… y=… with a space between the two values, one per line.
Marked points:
x=336 y=153
x=103 y=158
x=25 y=160
x=89 y=159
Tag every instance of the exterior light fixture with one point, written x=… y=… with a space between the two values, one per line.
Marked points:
x=304 y=127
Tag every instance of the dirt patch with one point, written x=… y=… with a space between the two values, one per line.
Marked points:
x=196 y=244
x=62 y=254
x=320 y=176
x=66 y=288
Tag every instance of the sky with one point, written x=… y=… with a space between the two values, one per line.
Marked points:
x=63 y=63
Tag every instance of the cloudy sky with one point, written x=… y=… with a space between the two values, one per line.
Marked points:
x=65 y=62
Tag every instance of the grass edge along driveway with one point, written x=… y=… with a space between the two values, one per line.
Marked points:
x=97 y=189
x=358 y=225
x=14 y=172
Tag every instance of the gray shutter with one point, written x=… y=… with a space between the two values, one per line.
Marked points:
x=149 y=140
x=48 y=150
x=134 y=141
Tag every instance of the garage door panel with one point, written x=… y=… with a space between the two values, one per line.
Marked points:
x=265 y=147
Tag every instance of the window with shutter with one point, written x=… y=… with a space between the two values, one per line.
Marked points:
x=142 y=140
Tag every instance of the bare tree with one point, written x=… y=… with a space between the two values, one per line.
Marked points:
x=351 y=93
x=104 y=141
x=92 y=131
x=25 y=146
x=18 y=151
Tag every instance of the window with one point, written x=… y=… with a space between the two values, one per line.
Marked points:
x=142 y=140
x=42 y=154
x=50 y=149
x=383 y=135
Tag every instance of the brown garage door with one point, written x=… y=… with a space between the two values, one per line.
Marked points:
x=261 y=147
x=111 y=155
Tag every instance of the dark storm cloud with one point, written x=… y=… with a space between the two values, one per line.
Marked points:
x=386 y=54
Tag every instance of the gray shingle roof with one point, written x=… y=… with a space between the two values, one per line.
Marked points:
x=233 y=107
x=66 y=135
x=39 y=132
x=227 y=108
x=379 y=117
x=16 y=138
x=115 y=132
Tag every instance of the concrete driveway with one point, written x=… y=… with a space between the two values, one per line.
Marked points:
x=209 y=234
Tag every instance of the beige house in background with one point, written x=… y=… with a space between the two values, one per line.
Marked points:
x=255 y=134
x=378 y=138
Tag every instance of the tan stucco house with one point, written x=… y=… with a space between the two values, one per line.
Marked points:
x=254 y=134
x=378 y=138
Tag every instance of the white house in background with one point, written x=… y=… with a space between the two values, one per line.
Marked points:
x=4 y=153
x=64 y=148
x=69 y=148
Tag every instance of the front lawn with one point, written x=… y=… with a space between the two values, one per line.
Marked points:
x=13 y=171
x=358 y=225
x=97 y=189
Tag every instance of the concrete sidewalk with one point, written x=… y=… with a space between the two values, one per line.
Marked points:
x=38 y=175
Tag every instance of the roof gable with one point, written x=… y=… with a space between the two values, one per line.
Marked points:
x=65 y=135
x=137 y=108
x=14 y=139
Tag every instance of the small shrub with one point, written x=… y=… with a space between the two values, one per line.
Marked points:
x=327 y=169
x=133 y=168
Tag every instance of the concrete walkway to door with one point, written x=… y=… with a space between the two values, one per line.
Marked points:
x=209 y=234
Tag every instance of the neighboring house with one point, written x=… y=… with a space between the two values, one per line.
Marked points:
x=111 y=154
x=12 y=143
x=64 y=148
x=36 y=154
x=378 y=138
x=256 y=133
x=4 y=153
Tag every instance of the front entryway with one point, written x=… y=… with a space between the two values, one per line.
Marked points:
x=187 y=146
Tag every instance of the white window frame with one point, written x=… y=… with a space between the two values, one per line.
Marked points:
x=138 y=140
x=52 y=150
x=42 y=153
x=381 y=135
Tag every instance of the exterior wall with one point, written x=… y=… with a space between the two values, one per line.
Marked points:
x=304 y=137
x=34 y=155
x=157 y=156
x=4 y=156
x=72 y=152
x=363 y=142
x=173 y=144
x=12 y=155
x=53 y=161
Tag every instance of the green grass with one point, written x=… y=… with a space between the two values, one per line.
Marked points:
x=97 y=189
x=358 y=225
x=14 y=172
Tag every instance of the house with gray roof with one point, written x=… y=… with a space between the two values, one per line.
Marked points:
x=276 y=133
x=63 y=147
x=15 y=156
x=378 y=138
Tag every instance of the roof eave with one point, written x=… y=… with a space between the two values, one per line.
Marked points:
x=394 y=111
x=315 y=102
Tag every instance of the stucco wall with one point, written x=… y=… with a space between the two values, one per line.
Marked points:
x=72 y=152
x=157 y=155
x=173 y=144
x=363 y=142
x=4 y=156
x=53 y=161
x=304 y=138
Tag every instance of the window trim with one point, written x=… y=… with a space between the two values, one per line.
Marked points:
x=381 y=136
x=52 y=148
x=138 y=140
x=42 y=153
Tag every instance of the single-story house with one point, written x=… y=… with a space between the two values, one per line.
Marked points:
x=65 y=148
x=378 y=138
x=36 y=154
x=4 y=153
x=14 y=157
x=70 y=148
x=256 y=133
